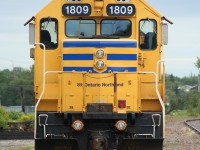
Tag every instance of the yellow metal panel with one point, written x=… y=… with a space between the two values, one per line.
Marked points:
x=148 y=90
x=59 y=109
x=75 y=63
x=72 y=96
x=99 y=88
x=51 y=92
x=123 y=63
x=78 y=50
x=73 y=103
x=48 y=105
x=128 y=91
x=99 y=99
x=151 y=105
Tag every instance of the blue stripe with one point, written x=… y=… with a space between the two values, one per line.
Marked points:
x=122 y=57
x=122 y=69
x=124 y=44
x=77 y=56
x=113 y=69
x=90 y=57
x=77 y=69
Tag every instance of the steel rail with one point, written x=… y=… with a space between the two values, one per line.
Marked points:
x=187 y=123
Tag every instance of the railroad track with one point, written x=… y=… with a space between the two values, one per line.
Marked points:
x=15 y=135
x=17 y=131
x=194 y=124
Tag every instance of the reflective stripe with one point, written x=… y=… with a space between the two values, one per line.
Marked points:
x=124 y=44
x=77 y=56
x=122 y=57
x=90 y=56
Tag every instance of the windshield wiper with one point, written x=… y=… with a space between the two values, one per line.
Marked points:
x=104 y=36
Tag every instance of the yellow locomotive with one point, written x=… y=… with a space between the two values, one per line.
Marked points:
x=99 y=75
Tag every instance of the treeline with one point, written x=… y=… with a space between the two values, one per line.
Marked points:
x=180 y=96
x=16 y=87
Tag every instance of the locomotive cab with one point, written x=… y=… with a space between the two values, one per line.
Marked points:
x=99 y=75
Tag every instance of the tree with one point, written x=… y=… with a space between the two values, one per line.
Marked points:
x=16 y=87
x=197 y=64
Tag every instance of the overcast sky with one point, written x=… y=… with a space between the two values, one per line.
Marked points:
x=180 y=54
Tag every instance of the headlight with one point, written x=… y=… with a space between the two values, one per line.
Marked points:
x=77 y=125
x=121 y=125
x=100 y=64
x=100 y=53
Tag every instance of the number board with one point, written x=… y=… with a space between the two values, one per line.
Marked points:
x=76 y=9
x=120 y=10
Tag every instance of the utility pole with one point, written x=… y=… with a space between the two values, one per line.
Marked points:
x=22 y=98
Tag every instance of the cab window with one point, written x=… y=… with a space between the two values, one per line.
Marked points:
x=148 y=34
x=49 y=33
x=80 y=28
x=121 y=28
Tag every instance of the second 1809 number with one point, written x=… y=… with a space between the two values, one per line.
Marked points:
x=120 y=10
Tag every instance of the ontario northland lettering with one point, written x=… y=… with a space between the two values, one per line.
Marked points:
x=99 y=84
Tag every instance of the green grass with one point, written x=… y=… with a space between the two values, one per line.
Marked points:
x=179 y=113
x=27 y=148
x=18 y=148
x=183 y=113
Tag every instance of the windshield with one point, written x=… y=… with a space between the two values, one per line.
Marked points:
x=116 y=28
x=49 y=33
x=108 y=28
x=148 y=34
x=78 y=28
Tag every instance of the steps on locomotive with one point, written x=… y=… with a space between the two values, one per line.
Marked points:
x=156 y=118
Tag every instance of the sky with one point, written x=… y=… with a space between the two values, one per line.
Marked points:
x=180 y=53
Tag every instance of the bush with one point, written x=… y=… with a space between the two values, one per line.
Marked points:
x=194 y=111
x=193 y=103
x=4 y=118
x=27 y=117
x=14 y=116
x=11 y=116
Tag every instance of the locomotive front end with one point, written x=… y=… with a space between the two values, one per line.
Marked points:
x=100 y=87
x=99 y=76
